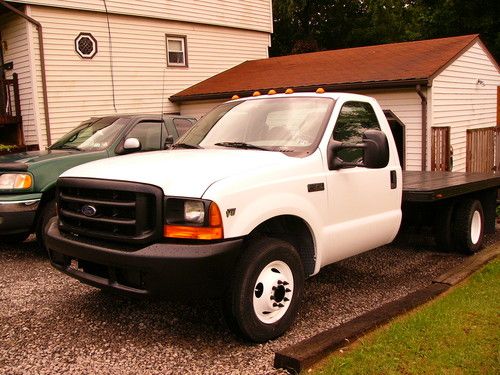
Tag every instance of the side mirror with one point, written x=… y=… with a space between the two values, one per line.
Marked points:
x=169 y=141
x=131 y=145
x=375 y=151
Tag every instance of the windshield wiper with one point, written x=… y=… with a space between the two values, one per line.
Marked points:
x=243 y=145
x=184 y=145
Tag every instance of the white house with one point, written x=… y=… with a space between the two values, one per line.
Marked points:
x=442 y=94
x=74 y=59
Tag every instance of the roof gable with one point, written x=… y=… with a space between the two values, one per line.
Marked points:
x=390 y=64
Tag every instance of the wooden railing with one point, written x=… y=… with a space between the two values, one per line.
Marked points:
x=440 y=149
x=10 y=103
x=482 y=150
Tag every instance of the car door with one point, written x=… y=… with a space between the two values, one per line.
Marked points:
x=364 y=206
x=151 y=134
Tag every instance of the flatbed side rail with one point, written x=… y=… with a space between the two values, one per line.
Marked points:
x=434 y=186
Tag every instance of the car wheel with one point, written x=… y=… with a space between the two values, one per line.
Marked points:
x=47 y=213
x=264 y=295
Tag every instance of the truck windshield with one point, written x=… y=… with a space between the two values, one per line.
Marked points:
x=91 y=135
x=292 y=124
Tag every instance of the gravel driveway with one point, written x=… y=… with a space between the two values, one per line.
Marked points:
x=50 y=323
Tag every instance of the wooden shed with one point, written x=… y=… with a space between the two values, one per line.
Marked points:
x=441 y=96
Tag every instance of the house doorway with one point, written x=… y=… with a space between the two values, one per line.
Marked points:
x=398 y=133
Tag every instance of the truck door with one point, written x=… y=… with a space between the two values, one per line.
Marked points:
x=364 y=206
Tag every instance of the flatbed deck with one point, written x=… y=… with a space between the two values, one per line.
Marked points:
x=434 y=186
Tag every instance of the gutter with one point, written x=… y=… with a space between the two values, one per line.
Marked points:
x=350 y=86
x=39 y=29
x=424 y=126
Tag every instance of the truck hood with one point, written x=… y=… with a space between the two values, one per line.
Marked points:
x=179 y=172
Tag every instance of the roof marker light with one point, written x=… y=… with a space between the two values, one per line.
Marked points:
x=320 y=90
x=234 y=97
x=271 y=92
x=289 y=91
x=256 y=93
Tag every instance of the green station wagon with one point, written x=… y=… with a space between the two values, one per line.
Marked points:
x=27 y=179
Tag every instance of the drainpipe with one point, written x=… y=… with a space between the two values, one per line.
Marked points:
x=39 y=30
x=424 y=126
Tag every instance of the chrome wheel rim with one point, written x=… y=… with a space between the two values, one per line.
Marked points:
x=475 y=227
x=273 y=292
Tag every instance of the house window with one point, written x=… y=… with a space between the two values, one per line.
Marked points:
x=176 y=50
x=86 y=45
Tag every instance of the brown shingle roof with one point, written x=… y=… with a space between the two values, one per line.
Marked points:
x=388 y=64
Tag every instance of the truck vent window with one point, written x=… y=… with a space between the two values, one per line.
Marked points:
x=86 y=45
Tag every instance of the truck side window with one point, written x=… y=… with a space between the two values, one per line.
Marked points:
x=149 y=134
x=354 y=119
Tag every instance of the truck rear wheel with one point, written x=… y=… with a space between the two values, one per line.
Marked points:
x=468 y=226
x=265 y=291
x=443 y=222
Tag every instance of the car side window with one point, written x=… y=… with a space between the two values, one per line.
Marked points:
x=354 y=119
x=149 y=134
x=183 y=124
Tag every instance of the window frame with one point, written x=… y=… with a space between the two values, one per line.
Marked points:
x=183 y=40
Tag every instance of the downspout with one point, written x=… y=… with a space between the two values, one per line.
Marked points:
x=39 y=30
x=424 y=126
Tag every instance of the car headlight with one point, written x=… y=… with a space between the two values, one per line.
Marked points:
x=192 y=218
x=13 y=181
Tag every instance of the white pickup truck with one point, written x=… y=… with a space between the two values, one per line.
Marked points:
x=260 y=194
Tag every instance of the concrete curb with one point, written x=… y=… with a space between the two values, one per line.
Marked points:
x=300 y=356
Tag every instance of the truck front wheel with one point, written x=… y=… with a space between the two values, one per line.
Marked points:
x=468 y=226
x=265 y=291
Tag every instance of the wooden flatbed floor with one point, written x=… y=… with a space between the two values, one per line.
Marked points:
x=433 y=186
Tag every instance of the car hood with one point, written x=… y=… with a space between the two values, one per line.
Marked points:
x=179 y=172
x=30 y=158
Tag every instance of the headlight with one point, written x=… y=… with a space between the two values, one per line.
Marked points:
x=194 y=212
x=11 y=181
x=192 y=218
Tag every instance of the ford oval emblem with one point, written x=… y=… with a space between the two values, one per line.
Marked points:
x=88 y=210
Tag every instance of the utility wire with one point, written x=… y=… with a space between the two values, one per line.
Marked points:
x=110 y=56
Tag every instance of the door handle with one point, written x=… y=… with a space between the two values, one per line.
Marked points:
x=394 y=180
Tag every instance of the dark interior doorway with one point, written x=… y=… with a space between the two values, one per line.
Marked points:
x=398 y=132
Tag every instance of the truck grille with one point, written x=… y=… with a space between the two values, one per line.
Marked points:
x=110 y=210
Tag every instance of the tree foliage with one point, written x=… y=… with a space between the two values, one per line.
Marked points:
x=315 y=25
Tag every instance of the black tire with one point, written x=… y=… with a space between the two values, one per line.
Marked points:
x=47 y=213
x=468 y=226
x=443 y=223
x=14 y=238
x=265 y=290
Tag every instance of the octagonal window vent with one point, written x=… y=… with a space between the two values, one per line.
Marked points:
x=86 y=45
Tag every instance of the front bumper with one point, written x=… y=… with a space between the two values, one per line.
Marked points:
x=162 y=268
x=17 y=216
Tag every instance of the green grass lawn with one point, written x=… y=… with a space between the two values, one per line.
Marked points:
x=458 y=333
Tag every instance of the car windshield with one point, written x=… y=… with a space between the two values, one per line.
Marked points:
x=91 y=135
x=291 y=124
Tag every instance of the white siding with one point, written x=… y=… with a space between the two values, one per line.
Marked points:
x=247 y=14
x=459 y=102
x=79 y=88
x=199 y=108
x=14 y=34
